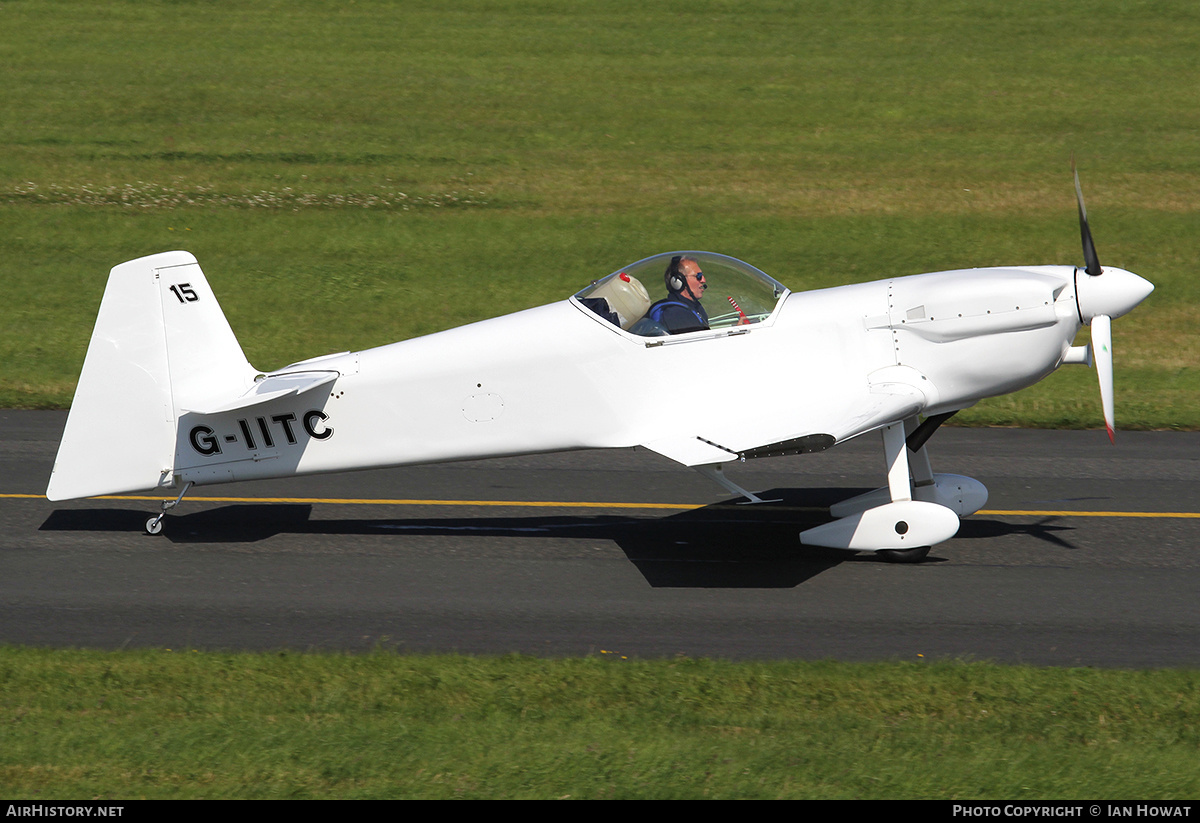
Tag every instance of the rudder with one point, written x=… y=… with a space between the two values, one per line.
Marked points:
x=161 y=345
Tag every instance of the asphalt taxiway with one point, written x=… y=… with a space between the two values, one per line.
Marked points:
x=1086 y=554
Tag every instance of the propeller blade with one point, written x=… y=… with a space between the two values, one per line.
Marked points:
x=1102 y=352
x=1089 y=248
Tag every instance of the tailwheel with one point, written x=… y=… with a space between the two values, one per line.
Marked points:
x=914 y=555
x=155 y=524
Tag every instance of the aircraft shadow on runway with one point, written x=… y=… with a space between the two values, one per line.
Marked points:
x=1047 y=529
x=724 y=545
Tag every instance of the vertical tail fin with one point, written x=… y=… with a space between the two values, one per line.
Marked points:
x=161 y=344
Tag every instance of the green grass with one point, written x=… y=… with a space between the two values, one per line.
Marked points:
x=355 y=174
x=177 y=723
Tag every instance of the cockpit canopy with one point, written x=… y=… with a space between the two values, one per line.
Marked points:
x=738 y=294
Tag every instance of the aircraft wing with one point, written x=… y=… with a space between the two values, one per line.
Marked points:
x=887 y=403
x=691 y=451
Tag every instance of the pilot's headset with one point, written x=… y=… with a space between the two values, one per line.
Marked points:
x=673 y=276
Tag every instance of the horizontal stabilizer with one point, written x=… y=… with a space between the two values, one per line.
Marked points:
x=273 y=387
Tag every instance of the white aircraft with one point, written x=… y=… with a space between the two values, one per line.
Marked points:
x=168 y=400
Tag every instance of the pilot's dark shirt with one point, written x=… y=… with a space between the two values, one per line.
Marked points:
x=678 y=314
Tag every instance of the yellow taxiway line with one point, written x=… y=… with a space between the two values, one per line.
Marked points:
x=561 y=504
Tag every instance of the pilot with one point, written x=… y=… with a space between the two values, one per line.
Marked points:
x=681 y=311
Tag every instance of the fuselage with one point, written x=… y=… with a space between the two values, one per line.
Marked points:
x=559 y=377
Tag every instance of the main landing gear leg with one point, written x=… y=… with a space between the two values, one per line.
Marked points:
x=900 y=469
x=155 y=525
x=889 y=521
x=918 y=460
x=921 y=472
